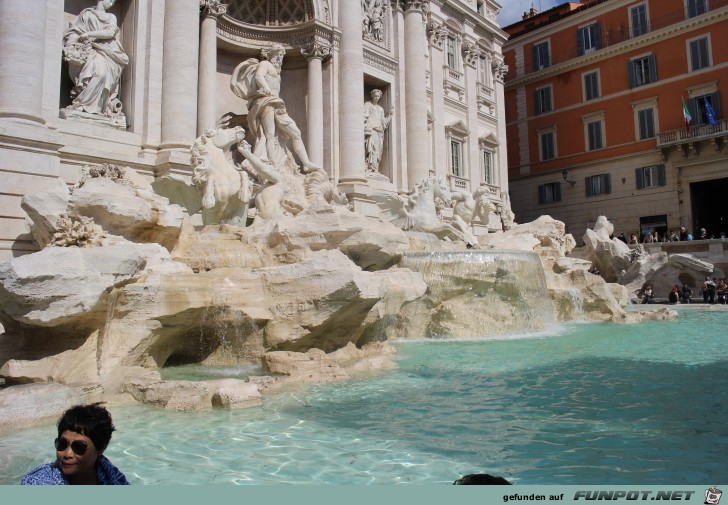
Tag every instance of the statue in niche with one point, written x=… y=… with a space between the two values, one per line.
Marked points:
x=96 y=60
x=375 y=123
x=259 y=83
x=373 y=12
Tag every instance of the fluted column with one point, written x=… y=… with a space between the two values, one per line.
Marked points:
x=206 y=104
x=22 y=56
x=180 y=73
x=418 y=163
x=316 y=53
x=351 y=95
x=500 y=70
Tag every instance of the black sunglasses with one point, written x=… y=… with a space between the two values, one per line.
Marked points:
x=79 y=448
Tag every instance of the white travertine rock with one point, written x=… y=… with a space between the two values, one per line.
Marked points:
x=610 y=256
x=641 y=270
x=234 y=394
x=313 y=365
x=545 y=235
x=137 y=214
x=30 y=404
x=172 y=395
x=60 y=285
x=44 y=210
x=371 y=244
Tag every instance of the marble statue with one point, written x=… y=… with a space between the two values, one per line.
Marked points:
x=224 y=190
x=259 y=83
x=96 y=60
x=271 y=192
x=375 y=123
x=373 y=19
x=418 y=212
x=469 y=206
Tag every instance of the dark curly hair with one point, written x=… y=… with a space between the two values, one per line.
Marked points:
x=93 y=421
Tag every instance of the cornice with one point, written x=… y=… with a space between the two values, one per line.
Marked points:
x=258 y=37
x=622 y=47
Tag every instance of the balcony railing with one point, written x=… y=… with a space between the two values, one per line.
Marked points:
x=613 y=35
x=696 y=133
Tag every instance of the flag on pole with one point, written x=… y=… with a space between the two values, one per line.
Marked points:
x=709 y=112
x=686 y=115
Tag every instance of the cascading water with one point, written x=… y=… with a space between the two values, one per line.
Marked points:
x=476 y=294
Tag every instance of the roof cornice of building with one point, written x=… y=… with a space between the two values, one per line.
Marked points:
x=482 y=26
x=622 y=47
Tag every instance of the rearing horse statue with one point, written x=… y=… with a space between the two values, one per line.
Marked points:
x=417 y=211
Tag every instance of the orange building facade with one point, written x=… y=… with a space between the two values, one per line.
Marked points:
x=595 y=117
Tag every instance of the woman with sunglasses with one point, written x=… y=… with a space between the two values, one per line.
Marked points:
x=84 y=431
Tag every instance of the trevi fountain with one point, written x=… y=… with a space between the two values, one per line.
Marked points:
x=252 y=303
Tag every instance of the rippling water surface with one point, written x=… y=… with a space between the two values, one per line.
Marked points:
x=587 y=403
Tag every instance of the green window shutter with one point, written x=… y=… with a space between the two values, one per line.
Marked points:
x=557 y=192
x=607 y=183
x=640 y=176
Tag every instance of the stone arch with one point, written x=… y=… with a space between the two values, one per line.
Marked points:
x=277 y=12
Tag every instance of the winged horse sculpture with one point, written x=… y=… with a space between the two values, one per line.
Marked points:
x=417 y=211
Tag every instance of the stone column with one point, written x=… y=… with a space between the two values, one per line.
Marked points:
x=471 y=55
x=437 y=35
x=206 y=104
x=500 y=70
x=316 y=53
x=351 y=95
x=22 y=58
x=179 y=73
x=418 y=162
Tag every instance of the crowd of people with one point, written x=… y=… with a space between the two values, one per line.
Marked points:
x=712 y=291
x=681 y=235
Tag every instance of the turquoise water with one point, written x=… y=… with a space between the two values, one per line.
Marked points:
x=587 y=403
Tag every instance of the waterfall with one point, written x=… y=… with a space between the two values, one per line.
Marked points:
x=476 y=294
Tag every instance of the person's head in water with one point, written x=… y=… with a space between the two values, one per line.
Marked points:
x=481 y=479
x=84 y=432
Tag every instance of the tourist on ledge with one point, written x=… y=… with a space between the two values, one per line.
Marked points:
x=648 y=295
x=674 y=296
x=84 y=431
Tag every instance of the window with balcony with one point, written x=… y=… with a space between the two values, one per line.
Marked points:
x=704 y=107
x=642 y=70
x=541 y=58
x=650 y=177
x=697 y=7
x=591 y=86
x=699 y=53
x=595 y=134
x=638 y=20
x=646 y=123
x=598 y=185
x=547 y=144
x=589 y=39
x=548 y=193
x=452 y=52
x=542 y=100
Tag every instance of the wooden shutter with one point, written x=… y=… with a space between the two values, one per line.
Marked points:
x=580 y=41
x=630 y=72
x=607 y=183
x=714 y=99
x=557 y=192
x=661 y=176
x=534 y=57
x=652 y=63
x=640 y=176
x=598 y=35
x=588 y=185
x=542 y=193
